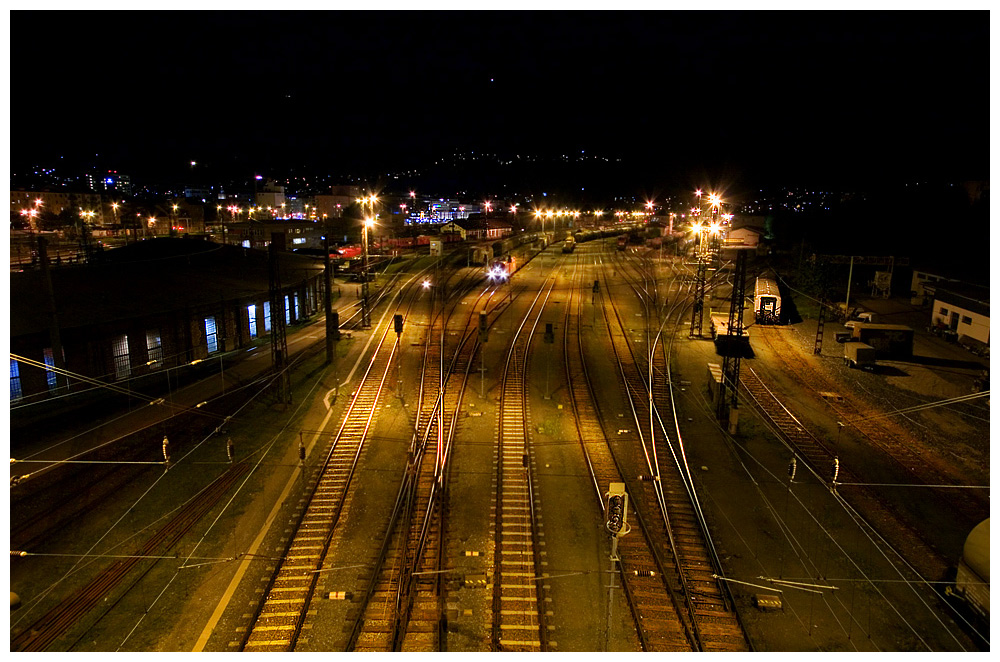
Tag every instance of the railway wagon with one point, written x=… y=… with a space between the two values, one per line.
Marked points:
x=500 y=248
x=621 y=242
x=972 y=580
x=569 y=244
x=766 y=301
x=891 y=341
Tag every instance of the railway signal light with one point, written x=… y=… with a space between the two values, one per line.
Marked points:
x=550 y=336
x=397 y=322
x=484 y=328
x=597 y=286
x=617 y=510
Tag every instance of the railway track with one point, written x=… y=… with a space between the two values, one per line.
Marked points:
x=652 y=601
x=277 y=623
x=48 y=629
x=403 y=607
x=891 y=441
x=820 y=460
x=520 y=618
x=710 y=622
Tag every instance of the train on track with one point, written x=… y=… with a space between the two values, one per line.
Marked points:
x=766 y=301
x=569 y=244
x=622 y=242
x=499 y=271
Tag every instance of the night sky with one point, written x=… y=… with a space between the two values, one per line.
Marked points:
x=808 y=97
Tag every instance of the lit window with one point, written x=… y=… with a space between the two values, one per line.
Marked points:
x=154 y=348
x=15 y=381
x=252 y=316
x=267 y=317
x=50 y=363
x=288 y=311
x=123 y=368
x=211 y=338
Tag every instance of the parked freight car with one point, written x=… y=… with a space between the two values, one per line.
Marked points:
x=766 y=301
x=891 y=341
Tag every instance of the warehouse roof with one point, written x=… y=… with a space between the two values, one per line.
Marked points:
x=151 y=277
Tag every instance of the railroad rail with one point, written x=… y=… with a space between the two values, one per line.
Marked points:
x=278 y=621
x=47 y=630
x=402 y=608
x=520 y=621
x=652 y=601
x=848 y=411
x=710 y=622
x=820 y=460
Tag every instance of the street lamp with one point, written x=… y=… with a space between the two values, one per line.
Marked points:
x=114 y=210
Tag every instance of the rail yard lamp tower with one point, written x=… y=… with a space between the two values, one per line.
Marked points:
x=368 y=223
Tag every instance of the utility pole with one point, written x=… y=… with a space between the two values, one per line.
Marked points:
x=279 y=344
x=847 y=300
x=332 y=326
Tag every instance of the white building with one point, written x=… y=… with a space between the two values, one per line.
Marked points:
x=963 y=309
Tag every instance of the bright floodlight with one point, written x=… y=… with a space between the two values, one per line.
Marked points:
x=427 y=284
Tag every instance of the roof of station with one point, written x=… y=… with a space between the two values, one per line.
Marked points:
x=149 y=278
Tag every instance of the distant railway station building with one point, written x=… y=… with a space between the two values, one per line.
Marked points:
x=149 y=307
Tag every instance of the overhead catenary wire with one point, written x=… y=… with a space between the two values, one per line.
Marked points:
x=27 y=609
x=112 y=387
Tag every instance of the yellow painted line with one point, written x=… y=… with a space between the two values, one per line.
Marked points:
x=279 y=614
x=283 y=642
